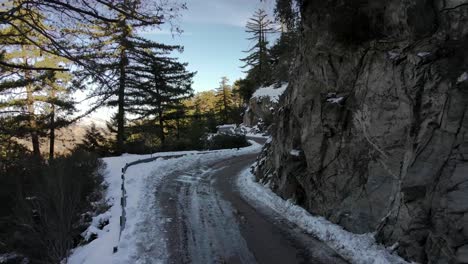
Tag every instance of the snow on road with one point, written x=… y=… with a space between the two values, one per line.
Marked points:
x=203 y=225
x=144 y=239
x=143 y=231
x=359 y=249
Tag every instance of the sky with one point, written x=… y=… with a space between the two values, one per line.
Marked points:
x=213 y=37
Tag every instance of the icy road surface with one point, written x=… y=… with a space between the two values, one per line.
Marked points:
x=207 y=221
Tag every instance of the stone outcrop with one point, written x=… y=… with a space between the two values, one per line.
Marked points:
x=259 y=111
x=262 y=106
x=372 y=132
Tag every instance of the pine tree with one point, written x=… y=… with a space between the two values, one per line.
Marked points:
x=31 y=96
x=59 y=103
x=94 y=141
x=157 y=84
x=287 y=13
x=259 y=26
x=123 y=54
x=224 y=99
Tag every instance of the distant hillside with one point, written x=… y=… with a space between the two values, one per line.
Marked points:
x=66 y=138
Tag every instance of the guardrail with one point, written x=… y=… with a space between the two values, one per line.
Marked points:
x=123 y=199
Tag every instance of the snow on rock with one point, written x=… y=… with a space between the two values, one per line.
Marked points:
x=226 y=129
x=252 y=132
x=272 y=92
x=393 y=55
x=98 y=227
x=462 y=78
x=423 y=54
x=335 y=100
x=143 y=239
x=361 y=249
x=295 y=152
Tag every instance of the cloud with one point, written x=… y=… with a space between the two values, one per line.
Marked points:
x=223 y=12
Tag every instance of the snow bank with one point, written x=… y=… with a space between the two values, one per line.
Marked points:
x=226 y=129
x=143 y=229
x=252 y=132
x=355 y=248
x=271 y=91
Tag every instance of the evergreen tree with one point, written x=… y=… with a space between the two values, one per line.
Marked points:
x=287 y=13
x=95 y=142
x=245 y=88
x=158 y=84
x=32 y=97
x=224 y=99
x=259 y=26
x=282 y=54
x=122 y=51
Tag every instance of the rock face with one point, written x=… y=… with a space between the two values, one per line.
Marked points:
x=376 y=115
x=262 y=106
x=259 y=110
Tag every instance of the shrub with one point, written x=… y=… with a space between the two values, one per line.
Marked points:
x=222 y=141
x=139 y=147
x=44 y=221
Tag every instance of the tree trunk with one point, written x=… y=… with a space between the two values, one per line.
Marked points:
x=161 y=127
x=178 y=127
x=121 y=102
x=32 y=122
x=121 y=92
x=225 y=105
x=52 y=130
x=32 y=115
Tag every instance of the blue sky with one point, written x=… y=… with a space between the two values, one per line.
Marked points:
x=213 y=39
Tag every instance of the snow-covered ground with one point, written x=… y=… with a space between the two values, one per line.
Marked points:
x=143 y=231
x=251 y=132
x=272 y=92
x=360 y=249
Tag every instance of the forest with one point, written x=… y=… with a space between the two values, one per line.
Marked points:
x=50 y=50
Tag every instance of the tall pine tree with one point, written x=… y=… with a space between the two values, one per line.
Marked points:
x=31 y=97
x=224 y=99
x=259 y=27
x=110 y=41
x=157 y=84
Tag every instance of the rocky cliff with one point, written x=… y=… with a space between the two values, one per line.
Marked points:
x=262 y=106
x=372 y=132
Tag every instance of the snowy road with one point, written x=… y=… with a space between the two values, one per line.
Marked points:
x=209 y=222
x=205 y=207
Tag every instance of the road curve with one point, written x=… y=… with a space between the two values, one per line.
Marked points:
x=209 y=222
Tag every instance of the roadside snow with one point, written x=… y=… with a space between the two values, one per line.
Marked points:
x=143 y=237
x=251 y=132
x=360 y=249
x=271 y=91
x=227 y=129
